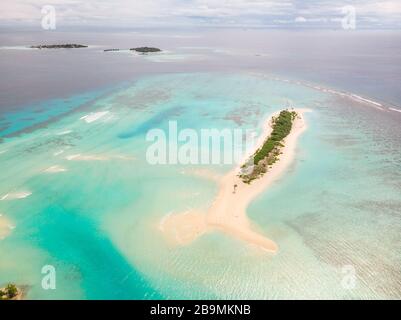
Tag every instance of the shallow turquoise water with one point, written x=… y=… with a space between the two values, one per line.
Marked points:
x=98 y=222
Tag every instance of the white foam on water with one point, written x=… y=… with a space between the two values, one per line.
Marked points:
x=64 y=132
x=352 y=96
x=124 y=157
x=58 y=153
x=374 y=103
x=80 y=157
x=15 y=195
x=91 y=117
x=166 y=57
x=16 y=48
x=163 y=220
x=89 y=157
x=55 y=169
x=394 y=109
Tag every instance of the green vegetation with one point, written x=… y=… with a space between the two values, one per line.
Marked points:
x=9 y=292
x=268 y=154
x=59 y=46
x=146 y=49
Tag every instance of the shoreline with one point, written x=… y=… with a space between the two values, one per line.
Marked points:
x=228 y=211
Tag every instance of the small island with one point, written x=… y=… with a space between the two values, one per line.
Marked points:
x=108 y=50
x=268 y=154
x=146 y=49
x=228 y=211
x=10 y=292
x=59 y=46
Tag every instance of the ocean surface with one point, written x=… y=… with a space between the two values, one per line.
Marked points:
x=78 y=193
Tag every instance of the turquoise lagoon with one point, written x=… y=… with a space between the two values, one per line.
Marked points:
x=97 y=223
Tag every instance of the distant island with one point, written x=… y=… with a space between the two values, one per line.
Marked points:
x=146 y=49
x=143 y=50
x=59 y=46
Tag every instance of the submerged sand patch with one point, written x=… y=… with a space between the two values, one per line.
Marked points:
x=203 y=173
x=184 y=228
x=6 y=227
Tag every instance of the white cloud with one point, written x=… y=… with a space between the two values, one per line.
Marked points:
x=387 y=7
x=300 y=19
x=30 y=9
x=137 y=12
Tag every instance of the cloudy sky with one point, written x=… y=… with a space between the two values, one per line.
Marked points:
x=259 y=13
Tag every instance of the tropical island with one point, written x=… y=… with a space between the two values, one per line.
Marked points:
x=146 y=49
x=228 y=211
x=59 y=46
x=10 y=292
x=143 y=50
x=269 y=153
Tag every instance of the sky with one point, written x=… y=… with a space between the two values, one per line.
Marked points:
x=372 y=14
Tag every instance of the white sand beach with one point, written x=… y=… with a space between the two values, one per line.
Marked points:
x=228 y=211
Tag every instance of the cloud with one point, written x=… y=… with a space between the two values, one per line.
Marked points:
x=300 y=19
x=217 y=12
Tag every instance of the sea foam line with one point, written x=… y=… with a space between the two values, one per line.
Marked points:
x=352 y=96
x=394 y=109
